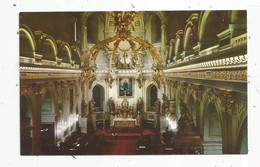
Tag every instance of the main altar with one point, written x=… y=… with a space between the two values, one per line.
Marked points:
x=125 y=115
x=124 y=122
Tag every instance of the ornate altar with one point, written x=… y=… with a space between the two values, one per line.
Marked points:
x=125 y=110
x=125 y=115
x=121 y=122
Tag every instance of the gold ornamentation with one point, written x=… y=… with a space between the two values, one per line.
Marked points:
x=123 y=26
x=157 y=106
x=227 y=75
x=91 y=80
x=165 y=105
x=109 y=80
x=158 y=78
x=92 y=106
x=140 y=80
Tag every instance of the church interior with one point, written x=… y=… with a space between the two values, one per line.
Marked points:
x=133 y=82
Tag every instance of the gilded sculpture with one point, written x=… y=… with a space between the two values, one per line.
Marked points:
x=92 y=106
x=111 y=105
x=186 y=122
x=157 y=106
x=140 y=105
x=165 y=105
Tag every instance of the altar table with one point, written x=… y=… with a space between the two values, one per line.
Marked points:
x=124 y=122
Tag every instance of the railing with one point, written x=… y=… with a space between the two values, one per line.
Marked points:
x=30 y=60
x=239 y=40
x=234 y=42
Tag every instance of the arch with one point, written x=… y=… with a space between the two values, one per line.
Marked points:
x=76 y=56
x=189 y=40
x=92 y=29
x=242 y=142
x=178 y=46
x=47 y=124
x=46 y=46
x=151 y=97
x=92 y=54
x=99 y=96
x=65 y=53
x=211 y=23
x=27 y=42
x=48 y=105
x=190 y=33
x=26 y=124
x=155 y=22
x=49 y=50
x=212 y=126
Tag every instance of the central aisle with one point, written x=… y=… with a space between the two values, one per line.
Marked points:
x=123 y=147
x=122 y=143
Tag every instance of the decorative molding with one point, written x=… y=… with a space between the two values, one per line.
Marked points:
x=231 y=62
x=225 y=75
x=48 y=70
x=225 y=100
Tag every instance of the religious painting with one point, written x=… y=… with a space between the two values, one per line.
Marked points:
x=125 y=87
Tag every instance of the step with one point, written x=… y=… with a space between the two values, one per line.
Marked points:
x=212 y=148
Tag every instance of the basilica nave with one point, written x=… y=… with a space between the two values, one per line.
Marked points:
x=133 y=83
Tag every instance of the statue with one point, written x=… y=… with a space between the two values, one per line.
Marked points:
x=165 y=105
x=185 y=123
x=111 y=105
x=92 y=106
x=138 y=118
x=125 y=104
x=140 y=79
x=119 y=64
x=132 y=63
x=157 y=106
x=84 y=108
x=92 y=78
x=111 y=120
x=109 y=80
x=140 y=105
x=123 y=21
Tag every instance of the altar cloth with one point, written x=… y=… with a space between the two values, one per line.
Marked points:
x=124 y=120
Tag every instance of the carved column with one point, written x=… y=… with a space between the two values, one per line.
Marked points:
x=157 y=117
x=36 y=114
x=163 y=38
x=229 y=120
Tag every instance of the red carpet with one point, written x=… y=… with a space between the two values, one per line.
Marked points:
x=108 y=133
x=123 y=143
x=123 y=147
